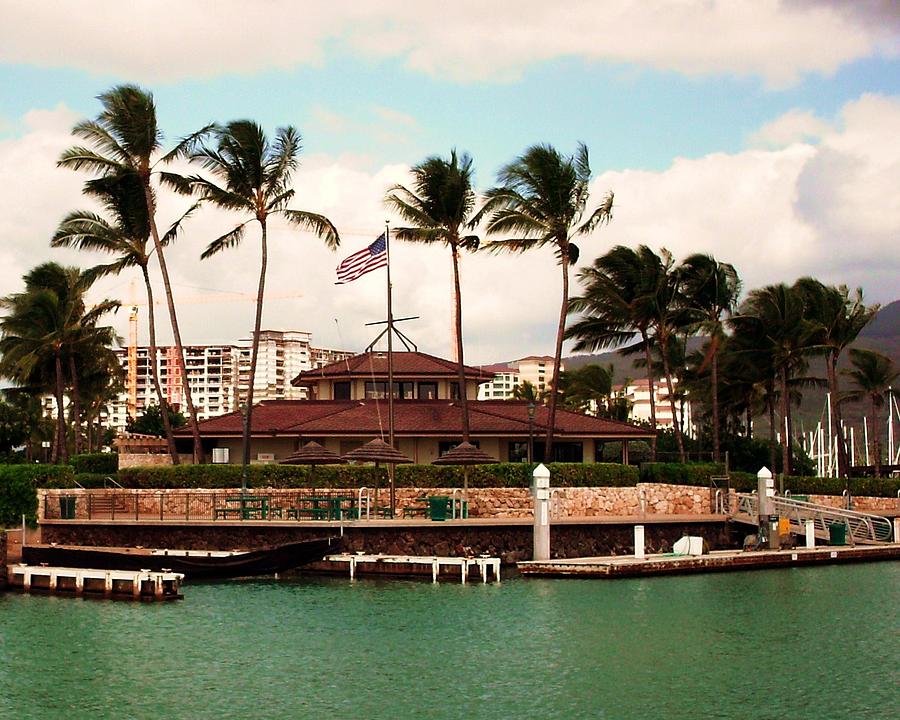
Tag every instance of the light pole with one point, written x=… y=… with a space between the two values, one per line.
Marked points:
x=531 y=409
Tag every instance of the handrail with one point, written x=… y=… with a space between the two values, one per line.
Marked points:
x=862 y=527
x=359 y=502
x=453 y=503
x=554 y=506
x=113 y=481
x=719 y=503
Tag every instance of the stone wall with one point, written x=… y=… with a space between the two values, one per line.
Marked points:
x=509 y=542
x=150 y=459
x=860 y=504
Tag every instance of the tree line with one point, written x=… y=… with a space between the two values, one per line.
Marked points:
x=50 y=337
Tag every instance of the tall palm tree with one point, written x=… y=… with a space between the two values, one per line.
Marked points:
x=839 y=319
x=710 y=291
x=873 y=374
x=542 y=199
x=45 y=329
x=629 y=291
x=126 y=236
x=776 y=318
x=125 y=140
x=254 y=177
x=439 y=207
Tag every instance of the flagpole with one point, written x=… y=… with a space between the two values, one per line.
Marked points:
x=390 y=336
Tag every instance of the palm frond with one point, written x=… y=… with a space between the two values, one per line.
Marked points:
x=316 y=223
x=228 y=240
x=78 y=158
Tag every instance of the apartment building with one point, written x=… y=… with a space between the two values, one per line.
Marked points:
x=536 y=369
x=637 y=394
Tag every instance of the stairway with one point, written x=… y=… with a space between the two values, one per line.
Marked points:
x=862 y=528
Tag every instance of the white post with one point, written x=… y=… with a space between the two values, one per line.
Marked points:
x=897 y=529
x=866 y=438
x=830 y=434
x=765 y=491
x=639 y=542
x=541 y=490
x=810 y=533
x=852 y=448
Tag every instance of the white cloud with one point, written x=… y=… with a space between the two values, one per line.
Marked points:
x=831 y=210
x=792 y=127
x=167 y=40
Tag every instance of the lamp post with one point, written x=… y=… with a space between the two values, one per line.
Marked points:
x=531 y=409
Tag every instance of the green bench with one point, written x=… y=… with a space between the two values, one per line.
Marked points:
x=243 y=508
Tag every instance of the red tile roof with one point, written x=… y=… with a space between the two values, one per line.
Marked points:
x=406 y=365
x=412 y=418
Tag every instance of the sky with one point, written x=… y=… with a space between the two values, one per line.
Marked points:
x=764 y=132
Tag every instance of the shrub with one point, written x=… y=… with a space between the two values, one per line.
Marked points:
x=680 y=474
x=95 y=463
x=18 y=485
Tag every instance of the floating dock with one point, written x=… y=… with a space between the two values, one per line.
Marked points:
x=623 y=566
x=82 y=582
x=418 y=565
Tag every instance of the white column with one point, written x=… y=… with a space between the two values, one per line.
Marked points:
x=540 y=489
x=810 y=526
x=639 y=542
x=897 y=529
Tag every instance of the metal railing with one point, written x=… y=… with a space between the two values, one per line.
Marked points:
x=861 y=527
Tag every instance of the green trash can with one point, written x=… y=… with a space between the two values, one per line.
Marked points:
x=837 y=534
x=437 y=506
x=67 y=507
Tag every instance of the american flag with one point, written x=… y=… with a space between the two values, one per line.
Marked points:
x=366 y=260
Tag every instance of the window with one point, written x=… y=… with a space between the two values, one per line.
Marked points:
x=342 y=391
x=378 y=390
x=518 y=452
x=427 y=391
x=445 y=446
x=220 y=456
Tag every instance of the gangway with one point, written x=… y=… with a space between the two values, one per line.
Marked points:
x=862 y=528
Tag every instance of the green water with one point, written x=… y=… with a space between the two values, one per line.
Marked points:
x=806 y=643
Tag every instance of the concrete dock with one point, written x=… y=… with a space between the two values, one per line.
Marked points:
x=622 y=566
x=82 y=582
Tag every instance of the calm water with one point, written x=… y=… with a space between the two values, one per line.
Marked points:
x=811 y=643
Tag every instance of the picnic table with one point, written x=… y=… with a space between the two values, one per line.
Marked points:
x=244 y=507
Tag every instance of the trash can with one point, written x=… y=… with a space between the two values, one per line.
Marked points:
x=437 y=506
x=66 y=507
x=837 y=534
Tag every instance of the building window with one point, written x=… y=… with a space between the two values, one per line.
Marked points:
x=342 y=391
x=445 y=446
x=378 y=390
x=427 y=391
x=220 y=456
x=518 y=452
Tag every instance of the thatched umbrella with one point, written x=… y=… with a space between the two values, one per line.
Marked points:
x=313 y=454
x=465 y=454
x=378 y=451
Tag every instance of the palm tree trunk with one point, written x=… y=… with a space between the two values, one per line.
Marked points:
x=463 y=396
x=557 y=356
x=199 y=456
x=770 y=401
x=154 y=371
x=76 y=405
x=676 y=425
x=61 y=451
x=785 y=440
x=843 y=461
x=876 y=435
x=714 y=380
x=254 y=353
x=650 y=386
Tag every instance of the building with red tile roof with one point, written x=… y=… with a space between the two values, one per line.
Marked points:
x=427 y=416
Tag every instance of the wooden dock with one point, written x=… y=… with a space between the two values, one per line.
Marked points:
x=623 y=566
x=81 y=582
x=418 y=565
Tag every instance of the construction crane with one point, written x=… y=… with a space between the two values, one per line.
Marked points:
x=174 y=383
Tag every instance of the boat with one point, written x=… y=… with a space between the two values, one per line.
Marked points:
x=194 y=564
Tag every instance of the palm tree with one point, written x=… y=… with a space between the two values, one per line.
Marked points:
x=541 y=200
x=629 y=291
x=873 y=374
x=127 y=236
x=46 y=327
x=439 y=207
x=526 y=390
x=588 y=388
x=775 y=318
x=125 y=140
x=710 y=290
x=839 y=320
x=255 y=178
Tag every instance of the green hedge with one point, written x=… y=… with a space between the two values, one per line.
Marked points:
x=95 y=463
x=17 y=489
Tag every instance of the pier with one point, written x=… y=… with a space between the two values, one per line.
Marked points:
x=81 y=582
x=623 y=566
x=416 y=564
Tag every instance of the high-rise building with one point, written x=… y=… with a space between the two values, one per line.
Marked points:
x=536 y=369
